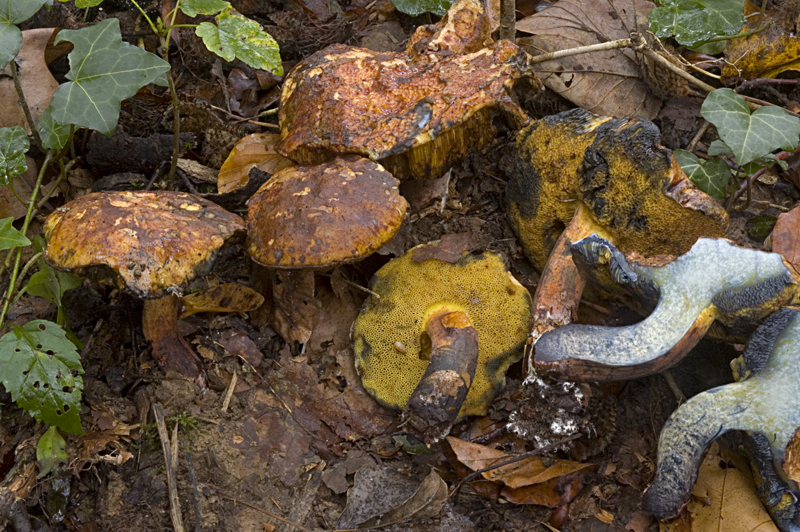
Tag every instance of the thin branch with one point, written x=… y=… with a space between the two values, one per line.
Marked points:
x=610 y=45
x=24 y=103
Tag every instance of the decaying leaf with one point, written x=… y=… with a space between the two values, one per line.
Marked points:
x=791 y=465
x=527 y=481
x=228 y=297
x=426 y=502
x=724 y=498
x=294 y=305
x=764 y=54
x=256 y=150
x=450 y=248
x=785 y=237
x=606 y=83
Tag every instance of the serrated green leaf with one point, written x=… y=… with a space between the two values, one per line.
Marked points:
x=692 y=22
x=41 y=369
x=50 y=451
x=193 y=8
x=13 y=145
x=712 y=177
x=236 y=36
x=750 y=136
x=104 y=71
x=54 y=136
x=10 y=237
x=418 y=7
x=13 y=12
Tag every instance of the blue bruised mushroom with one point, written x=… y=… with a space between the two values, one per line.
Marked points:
x=767 y=405
x=714 y=279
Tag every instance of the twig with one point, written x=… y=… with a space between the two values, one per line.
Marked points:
x=229 y=392
x=763 y=103
x=174 y=501
x=610 y=45
x=750 y=83
x=640 y=45
x=673 y=385
x=24 y=103
x=508 y=20
x=699 y=135
x=268 y=514
x=193 y=480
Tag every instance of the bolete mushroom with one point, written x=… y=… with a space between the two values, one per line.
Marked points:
x=577 y=174
x=416 y=112
x=417 y=339
x=765 y=404
x=149 y=244
x=715 y=278
x=322 y=216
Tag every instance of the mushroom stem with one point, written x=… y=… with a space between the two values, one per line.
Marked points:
x=560 y=287
x=452 y=344
x=160 y=324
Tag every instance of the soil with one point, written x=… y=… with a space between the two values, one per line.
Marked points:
x=297 y=432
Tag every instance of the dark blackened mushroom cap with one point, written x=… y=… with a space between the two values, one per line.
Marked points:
x=148 y=243
x=319 y=216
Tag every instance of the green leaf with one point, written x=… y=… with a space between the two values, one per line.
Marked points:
x=50 y=451
x=104 y=71
x=12 y=12
x=692 y=22
x=718 y=147
x=193 y=8
x=759 y=227
x=54 y=136
x=750 y=136
x=13 y=145
x=87 y=3
x=41 y=370
x=418 y=7
x=236 y=36
x=48 y=282
x=10 y=237
x=712 y=177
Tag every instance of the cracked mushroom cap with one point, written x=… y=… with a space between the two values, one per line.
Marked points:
x=630 y=188
x=714 y=278
x=766 y=405
x=148 y=243
x=388 y=331
x=416 y=113
x=319 y=216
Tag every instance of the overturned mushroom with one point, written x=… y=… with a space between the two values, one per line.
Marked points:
x=149 y=244
x=415 y=345
x=416 y=112
x=765 y=405
x=579 y=174
x=715 y=278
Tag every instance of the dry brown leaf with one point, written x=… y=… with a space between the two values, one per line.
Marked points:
x=606 y=83
x=785 y=237
x=791 y=464
x=37 y=82
x=426 y=502
x=724 y=498
x=228 y=297
x=762 y=55
x=448 y=249
x=256 y=150
x=294 y=305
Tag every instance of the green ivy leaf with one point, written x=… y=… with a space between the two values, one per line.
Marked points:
x=54 y=136
x=42 y=371
x=104 y=71
x=418 y=7
x=712 y=177
x=50 y=451
x=48 y=282
x=717 y=147
x=236 y=36
x=693 y=22
x=13 y=145
x=193 y=8
x=750 y=136
x=10 y=237
x=13 y=12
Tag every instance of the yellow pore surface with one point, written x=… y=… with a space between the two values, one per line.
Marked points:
x=387 y=332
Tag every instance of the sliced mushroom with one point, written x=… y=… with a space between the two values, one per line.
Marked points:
x=766 y=405
x=714 y=278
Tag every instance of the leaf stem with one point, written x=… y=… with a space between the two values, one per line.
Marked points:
x=24 y=103
x=718 y=38
x=150 y=22
x=25 y=269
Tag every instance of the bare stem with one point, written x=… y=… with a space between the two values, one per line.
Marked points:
x=24 y=103
x=610 y=45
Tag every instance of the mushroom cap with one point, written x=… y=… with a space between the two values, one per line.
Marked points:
x=416 y=117
x=387 y=332
x=319 y=216
x=148 y=243
x=633 y=188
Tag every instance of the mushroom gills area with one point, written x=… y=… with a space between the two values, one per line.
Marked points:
x=713 y=276
x=766 y=404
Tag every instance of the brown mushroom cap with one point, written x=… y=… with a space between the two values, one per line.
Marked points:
x=148 y=243
x=320 y=216
x=417 y=114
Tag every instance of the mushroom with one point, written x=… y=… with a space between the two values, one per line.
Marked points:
x=765 y=405
x=715 y=278
x=418 y=112
x=577 y=174
x=418 y=329
x=149 y=244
